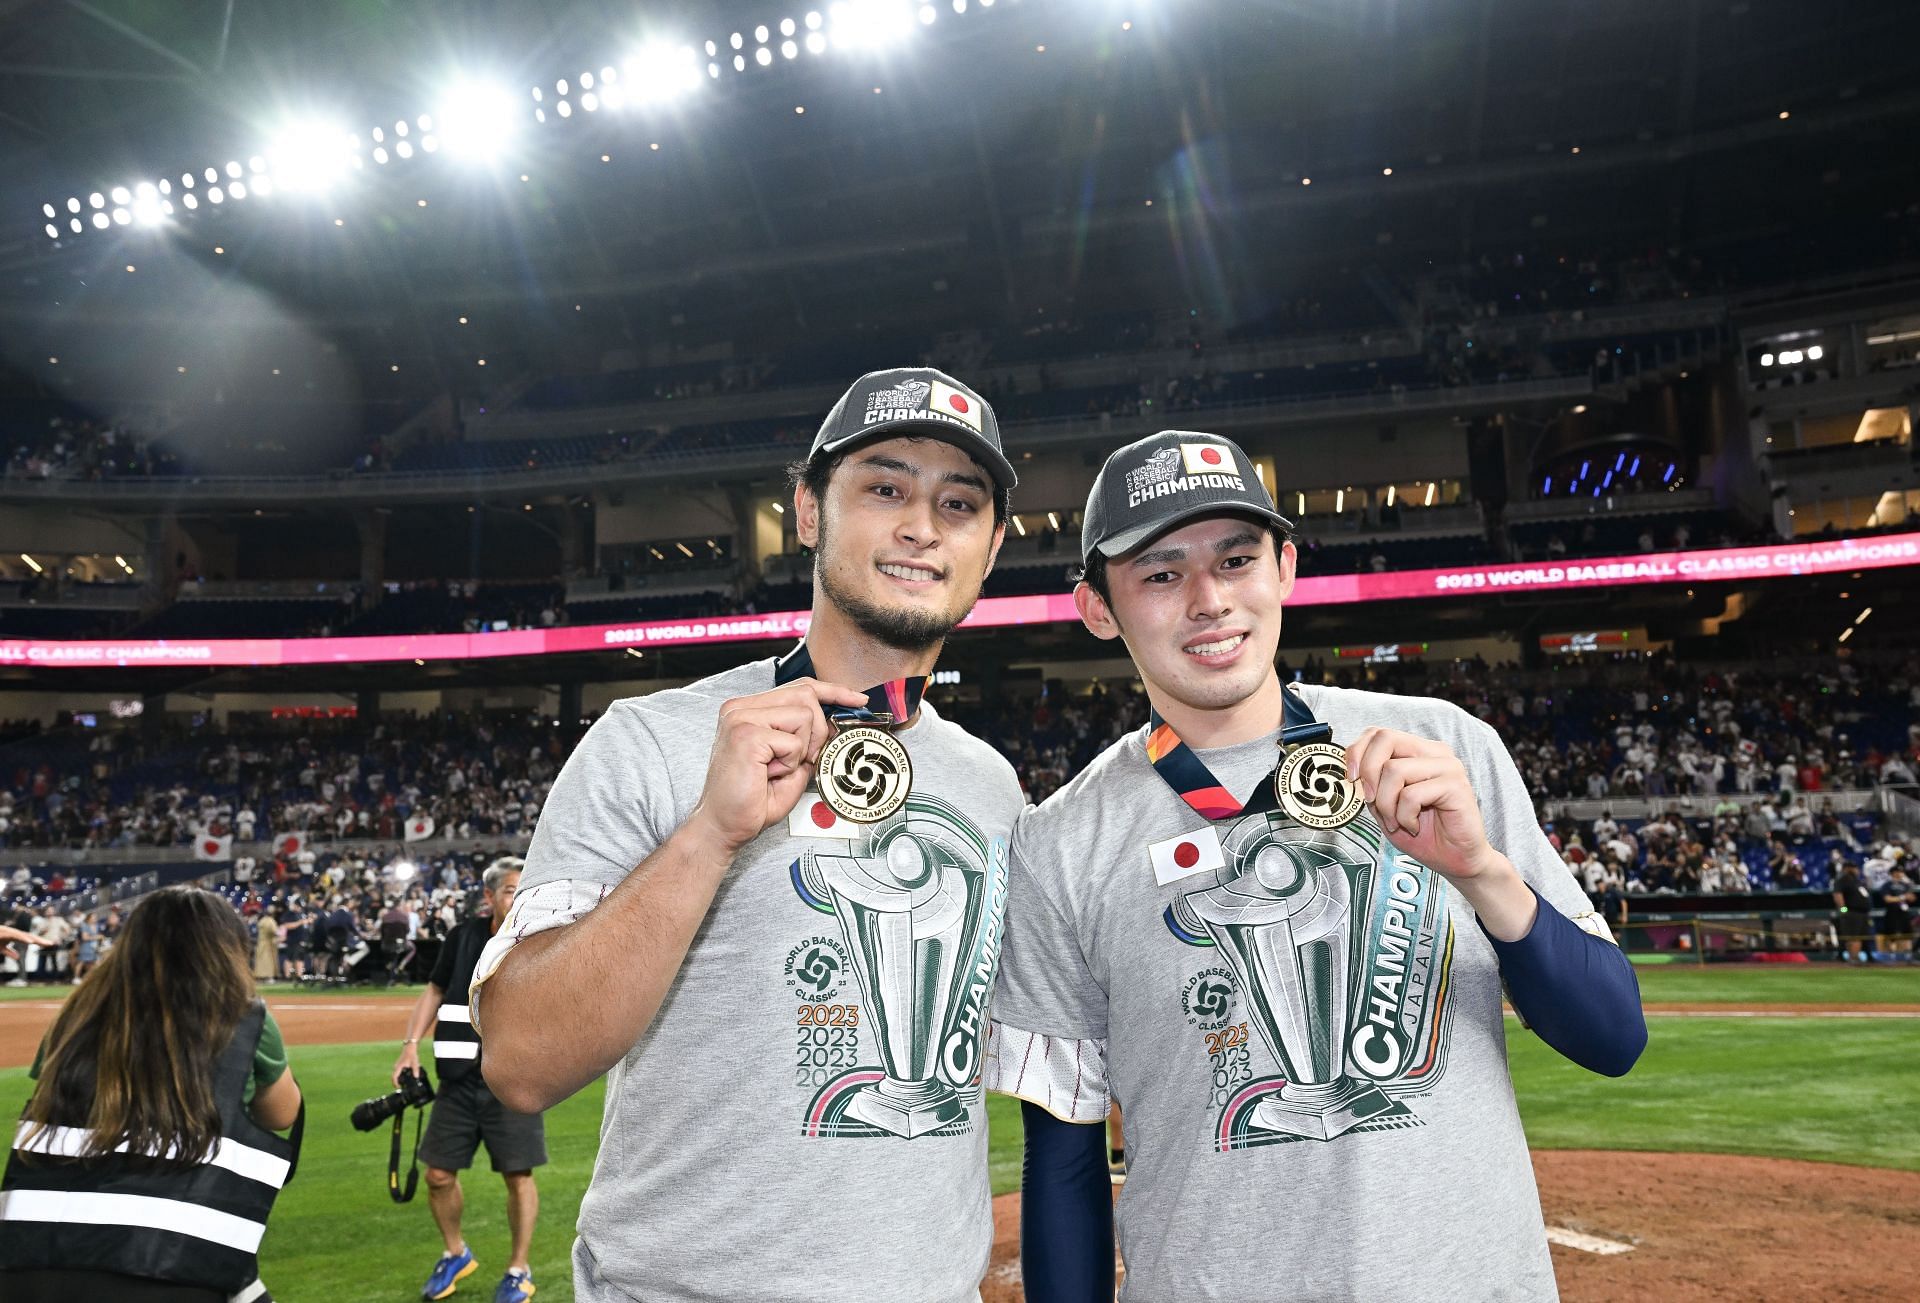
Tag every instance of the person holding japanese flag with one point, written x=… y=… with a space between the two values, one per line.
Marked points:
x=1274 y=923
x=212 y=847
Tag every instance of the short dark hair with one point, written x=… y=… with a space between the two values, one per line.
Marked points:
x=815 y=472
x=1093 y=572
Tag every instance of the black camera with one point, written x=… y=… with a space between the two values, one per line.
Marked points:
x=415 y=1092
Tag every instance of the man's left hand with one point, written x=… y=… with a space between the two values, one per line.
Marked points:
x=1418 y=789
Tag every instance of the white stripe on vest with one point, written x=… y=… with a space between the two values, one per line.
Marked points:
x=241 y=1160
x=456 y=1013
x=456 y=1049
x=133 y=1210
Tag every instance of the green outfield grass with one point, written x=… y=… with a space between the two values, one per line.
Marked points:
x=336 y=1237
x=1786 y=1087
x=1780 y=984
x=1812 y=1088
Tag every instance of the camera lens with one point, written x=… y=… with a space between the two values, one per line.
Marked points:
x=370 y=1113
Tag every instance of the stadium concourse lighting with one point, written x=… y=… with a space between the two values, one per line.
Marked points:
x=478 y=120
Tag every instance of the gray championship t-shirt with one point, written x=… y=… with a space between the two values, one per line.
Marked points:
x=1303 y=1028
x=804 y=1118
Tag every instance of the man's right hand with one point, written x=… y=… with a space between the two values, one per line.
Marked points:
x=763 y=758
x=409 y=1059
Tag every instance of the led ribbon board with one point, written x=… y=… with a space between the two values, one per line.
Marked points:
x=1717 y=566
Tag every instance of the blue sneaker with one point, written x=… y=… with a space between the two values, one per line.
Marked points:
x=448 y=1272
x=515 y=1287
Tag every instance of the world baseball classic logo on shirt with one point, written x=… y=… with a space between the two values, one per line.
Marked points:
x=920 y=898
x=1340 y=949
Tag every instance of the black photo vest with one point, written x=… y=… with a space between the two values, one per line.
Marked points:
x=127 y=1213
x=456 y=1046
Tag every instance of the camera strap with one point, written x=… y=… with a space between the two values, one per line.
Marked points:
x=394 y=1189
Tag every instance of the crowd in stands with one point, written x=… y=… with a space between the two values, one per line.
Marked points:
x=364 y=913
x=1712 y=740
x=70 y=448
x=328 y=780
x=1560 y=284
x=1741 y=765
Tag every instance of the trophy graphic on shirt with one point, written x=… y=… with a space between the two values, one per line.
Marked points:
x=908 y=908
x=1281 y=915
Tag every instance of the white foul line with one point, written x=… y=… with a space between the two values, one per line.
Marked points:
x=1585 y=1243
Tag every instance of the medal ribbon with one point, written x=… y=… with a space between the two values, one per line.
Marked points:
x=1183 y=770
x=888 y=704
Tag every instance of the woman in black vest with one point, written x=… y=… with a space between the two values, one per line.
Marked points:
x=147 y=1160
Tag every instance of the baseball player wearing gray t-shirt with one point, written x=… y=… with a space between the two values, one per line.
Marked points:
x=1300 y=1014
x=769 y=908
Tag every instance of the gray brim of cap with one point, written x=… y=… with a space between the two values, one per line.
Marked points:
x=1129 y=539
x=973 y=445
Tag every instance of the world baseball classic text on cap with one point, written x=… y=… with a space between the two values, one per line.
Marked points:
x=922 y=400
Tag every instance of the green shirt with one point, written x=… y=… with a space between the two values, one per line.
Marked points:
x=269 y=1060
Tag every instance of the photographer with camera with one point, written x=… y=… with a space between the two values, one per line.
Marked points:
x=466 y=1112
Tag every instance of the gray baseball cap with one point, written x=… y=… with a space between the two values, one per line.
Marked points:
x=920 y=401
x=1167 y=479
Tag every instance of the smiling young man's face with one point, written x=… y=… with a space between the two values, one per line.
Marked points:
x=1198 y=608
x=905 y=536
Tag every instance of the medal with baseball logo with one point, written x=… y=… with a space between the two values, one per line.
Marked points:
x=1312 y=788
x=864 y=773
x=1309 y=783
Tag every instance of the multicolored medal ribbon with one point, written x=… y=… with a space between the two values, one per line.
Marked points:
x=864 y=774
x=1309 y=781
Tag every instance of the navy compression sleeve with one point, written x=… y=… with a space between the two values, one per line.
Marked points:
x=1576 y=991
x=1066 y=1210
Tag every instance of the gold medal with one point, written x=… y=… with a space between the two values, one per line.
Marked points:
x=864 y=774
x=1312 y=787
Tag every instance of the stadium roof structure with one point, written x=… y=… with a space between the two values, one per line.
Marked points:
x=1007 y=166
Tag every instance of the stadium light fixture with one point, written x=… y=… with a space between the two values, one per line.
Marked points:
x=478 y=120
x=1432 y=487
x=1020 y=525
x=1766 y=359
x=660 y=72
x=870 y=24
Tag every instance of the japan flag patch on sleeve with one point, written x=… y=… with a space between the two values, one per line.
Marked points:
x=1185 y=855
